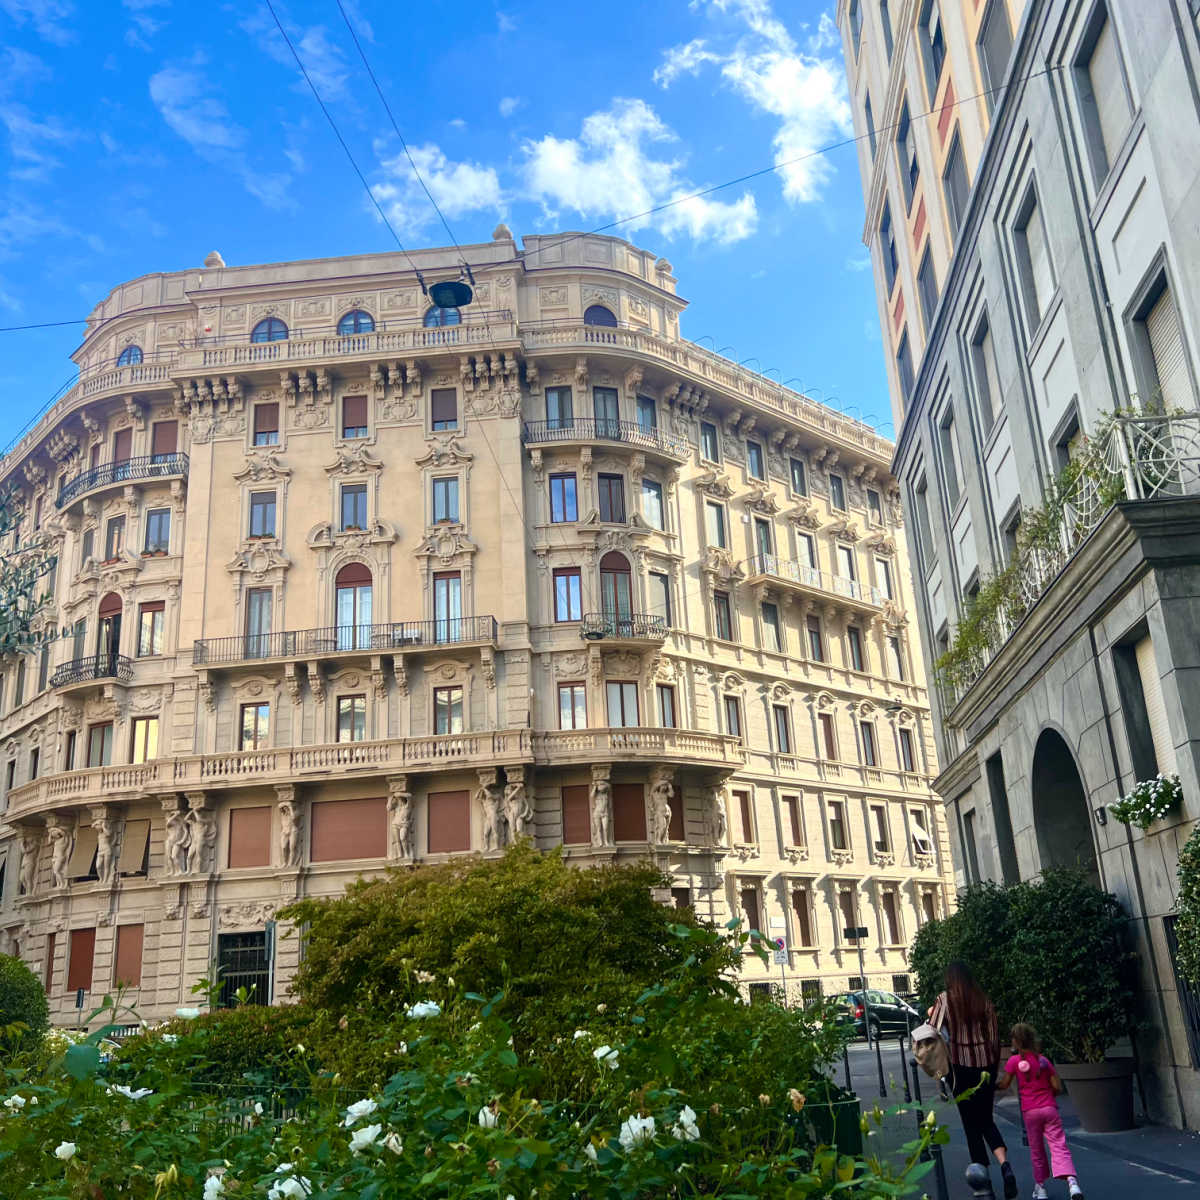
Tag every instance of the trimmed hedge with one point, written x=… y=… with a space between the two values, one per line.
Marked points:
x=22 y=1003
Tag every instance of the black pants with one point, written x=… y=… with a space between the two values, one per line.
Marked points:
x=976 y=1111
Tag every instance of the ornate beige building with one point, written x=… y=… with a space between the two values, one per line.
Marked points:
x=348 y=582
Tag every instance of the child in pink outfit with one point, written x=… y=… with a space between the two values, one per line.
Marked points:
x=1037 y=1085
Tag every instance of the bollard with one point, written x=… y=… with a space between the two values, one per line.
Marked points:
x=939 y=1176
x=846 y=1060
x=904 y=1068
x=979 y=1180
x=879 y=1060
x=916 y=1083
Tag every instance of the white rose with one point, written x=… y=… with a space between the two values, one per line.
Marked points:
x=487 y=1118
x=364 y=1138
x=635 y=1131
x=606 y=1056
x=424 y=1008
x=358 y=1110
x=65 y=1150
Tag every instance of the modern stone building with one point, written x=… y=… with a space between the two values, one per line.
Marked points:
x=350 y=582
x=1031 y=173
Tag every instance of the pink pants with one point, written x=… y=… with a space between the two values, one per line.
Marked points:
x=1046 y=1123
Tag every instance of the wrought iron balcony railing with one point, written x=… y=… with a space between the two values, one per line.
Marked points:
x=588 y=429
x=343 y=639
x=93 y=668
x=151 y=466
x=811 y=577
x=633 y=626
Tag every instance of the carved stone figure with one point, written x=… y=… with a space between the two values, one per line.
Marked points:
x=202 y=824
x=30 y=844
x=660 y=808
x=289 y=834
x=493 y=819
x=400 y=825
x=720 y=818
x=60 y=853
x=601 y=810
x=178 y=842
x=518 y=812
x=106 y=848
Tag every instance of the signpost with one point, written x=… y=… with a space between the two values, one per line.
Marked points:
x=856 y=934
x=781 y=957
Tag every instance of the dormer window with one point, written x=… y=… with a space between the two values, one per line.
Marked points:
x=131 y=356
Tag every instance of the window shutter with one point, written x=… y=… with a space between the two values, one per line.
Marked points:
x=345 y=829
x=629 y=812
x=79 y=966
x=794 y=816
x=1039 y=259
x=250 y=837
x=122 y=445
x=128 y=968
x=354 y=412
x=133 y=847
x=449 y=822
x=1108 y=91
x=83 y=853
x=1166 y=346
x=266 y=418
x=1156 y=711
x=443 y=405
x=747 y=816
x=165 y=438
x=576 y=816
x=676 y=829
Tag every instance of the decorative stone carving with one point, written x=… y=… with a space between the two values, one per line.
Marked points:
x=796 y=854
x=178 y=837
x=518 y=811
x=600 y=807
x=353 y=460
x=489 y=798
x=622 y=664
x=571 y=665
x=714 y=483
x=289 y=826
x=262 y=467
x=258 y=559
x=400 y=818
x=106 y=844
x=719 y=817
x=247 y=914
x=842 y=527
x=59 y=837
x=760 y=499
x=202 y=824
x=841 y=857
x=31 y=843
x=661 y=792
x=804 y=515
x=446 y=543
x=448 y=452
x=721 y=564
x=884 y=858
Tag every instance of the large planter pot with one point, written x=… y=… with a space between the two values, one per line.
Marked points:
x=1101 y=1092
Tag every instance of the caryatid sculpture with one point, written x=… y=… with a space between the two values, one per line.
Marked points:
x=600 y=805
x=178 y=838
x=106 y=845
x=489 y=799
x=518 y=811
x=30 y=845
x=661 y=792
x=59 y=837
x=289 y=826
x=400 y=823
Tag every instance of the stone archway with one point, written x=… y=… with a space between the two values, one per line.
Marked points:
x=1062 y=816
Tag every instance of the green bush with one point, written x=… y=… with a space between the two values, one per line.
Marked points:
x=24 y=1013
x=1050 y=952
x=1188 y=906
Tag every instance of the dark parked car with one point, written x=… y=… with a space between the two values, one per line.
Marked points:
x=888 y=1014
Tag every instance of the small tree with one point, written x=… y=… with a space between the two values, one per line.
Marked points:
x=1188 y=906
x=24 y=567
x=24 y=1013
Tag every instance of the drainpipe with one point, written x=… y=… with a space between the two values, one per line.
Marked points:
x=1141 y=901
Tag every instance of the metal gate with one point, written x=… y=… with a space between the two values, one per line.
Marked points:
x=1189 y=994
x=244 y=961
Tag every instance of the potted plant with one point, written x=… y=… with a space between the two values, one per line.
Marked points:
x=1150 y=801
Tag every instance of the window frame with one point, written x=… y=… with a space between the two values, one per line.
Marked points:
x=437 y=397
x=827 y=744
x=815 y=638
x=710 y=438
x=355 y=432
x=857 y=654
x=567 y=500
x=756 y=461
x=353 y=707
x=352 y=490
x=869 y=743
x=448 y=708
x=927 y=285
x=1101 y=157
x=257 y=742
x=574 y=595
x=774 y=624
x=151 y=647
x=148 y=726
x=837 y=818
x=162 y=544
x=722 y=616
x=888 y=251
x=908 y=750
x=906 y=154
x=608 y=485
x=666 y=704
x=259 y=504
x=576 y=693
x=781 y=729
x=731 y=711
x=445 y=499
x=654 y=489
x=626 y=690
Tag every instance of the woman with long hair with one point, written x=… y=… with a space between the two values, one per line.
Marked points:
x=968 y=1017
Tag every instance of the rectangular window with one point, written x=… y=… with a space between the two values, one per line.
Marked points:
x=443 y=409
x=816 y=644
x=904 y=367
x=845 y=561
x=714 y=523
x=783 y=728
x=896 y=657
x=763 y=542
x=755 y=464
x=354 y=506
x=928 y=906
x=828 y=738
x=164 y=441
x=987 y=381
x=869 y=121
x=258 y=622
x=114 y=538
x=622 y=704
x=1103 y=97
x=447 y=710
x=921 y=842
x=254 y=727
x=262 y=514
x=879 y=829
x=972 y=849
x=927 y=287
x=934 y=46
x=629 y=812
x=564 y=499
x=449 y=822
x=606 y=409
x=951 y=468
x=647 y=414
x=354 y=416
x=837 y=828
x=806 y=549
x=795 y=827
x=837 y=492
x=652 y=504
x=127 y=966
x=887 y=248
x=908 y=756
x=733 y=716
x=572 y=706
x=924 y=529
x=266 y=424
x=870 y=756
x=1033 y=260
x=885 y=23
x=611 y=489
x=445 y=500
x=722 y=616
x=82 y=950
x=1167 y=384
x=874 y=507
x=855 y=641
x=19 y=690
x=955 y=185
x=710 y=447
x=994 y=45
x=772 y=631
x=48 y=979
x=351 y=718
x=906 y=148
x=891 y=917
x=658 y=596
x=87 y=547
x=855 y=15
x=43 y=668
x=798 y=477
x=576 y=815
x=348 y=829
x=144 y=746
x=560 y=408
x=568 y=594
x=681 y=897
x=746 y=816
x=665 y=695
x=158 y=530
x=69 y=750
x=802 y=926
x=35 y=758
x=250 y=837
x=447 y=607
x=100 y=745
x=122 y=448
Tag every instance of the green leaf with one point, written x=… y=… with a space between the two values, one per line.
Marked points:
x=82 y=1061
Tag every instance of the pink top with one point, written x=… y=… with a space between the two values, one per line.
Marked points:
x=1032 y=1073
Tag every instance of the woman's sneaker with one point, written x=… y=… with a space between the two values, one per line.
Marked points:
x=1039 y=1192
x=1074 y=1189
x=1010 y=1181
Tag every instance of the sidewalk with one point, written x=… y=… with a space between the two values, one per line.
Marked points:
x=1147 y=1163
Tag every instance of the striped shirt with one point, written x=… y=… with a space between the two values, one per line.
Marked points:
x=971 y=1044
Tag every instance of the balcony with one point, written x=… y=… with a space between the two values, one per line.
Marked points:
x=95 y=669
x=337 y=640
x=638 y=743
x=118 y=474
x=809 y=581
x=495 y=747
x=589 y=429
x=636 y=627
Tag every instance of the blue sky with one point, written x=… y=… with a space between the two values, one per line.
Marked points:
x=138 y=135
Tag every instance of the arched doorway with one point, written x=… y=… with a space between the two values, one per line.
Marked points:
x=616 y=592
x=353 y=607
x=108 y=633
x=1062 y=816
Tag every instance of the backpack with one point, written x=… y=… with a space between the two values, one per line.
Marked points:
x=931 y=1051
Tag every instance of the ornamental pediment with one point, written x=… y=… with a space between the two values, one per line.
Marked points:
x=880 y=541
x=805 y=515
x=759 y=499
x=353 y=461
x=714 y=483
x=842 y=527
x=259 y=559
x=262 y=468
x=722 y=565
x=447 y=453
x=446 y=543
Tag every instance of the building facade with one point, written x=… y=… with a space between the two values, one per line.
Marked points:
x=346 y=582
x=1030 y=174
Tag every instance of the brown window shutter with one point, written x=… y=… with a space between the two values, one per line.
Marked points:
x=83 y=852
x=122 y=445
x=344 y=829
x=354 y=574
x=629 y=812
x=165 y=438
x=449 y=822
x=153 y=606
x=794 y=815
x=250 y=837
x=51 y=938
x=354 y=412
x=676 y=830
x=443 y=404
x=128 y=968
x=79 y=966
x=576 y=816
x=266 y=418
x=747 y=816
x=133 y=847
x=111 y=605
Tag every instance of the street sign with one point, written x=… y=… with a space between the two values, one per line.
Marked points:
x=854 y=934
x=780 y=944
x=781 y=957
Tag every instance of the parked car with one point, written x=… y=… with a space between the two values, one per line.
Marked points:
x=887 y=1012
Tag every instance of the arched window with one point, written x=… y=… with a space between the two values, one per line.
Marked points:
x=270 y=330
x=356 y=321
x=597 y=314
x=616 y=590
x=353 y=607
x=436 y=317
x=130 y=356
x=108 y=631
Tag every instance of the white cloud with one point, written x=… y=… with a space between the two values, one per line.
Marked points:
x=458 y=187
x=322 y=58
x=861 y=262
x=505 y=22
x=51 y=19
x=610 y=171
x=457 y=123
x=32 y=141
x=20 y=69
x=803 y=89
x=509 y=105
